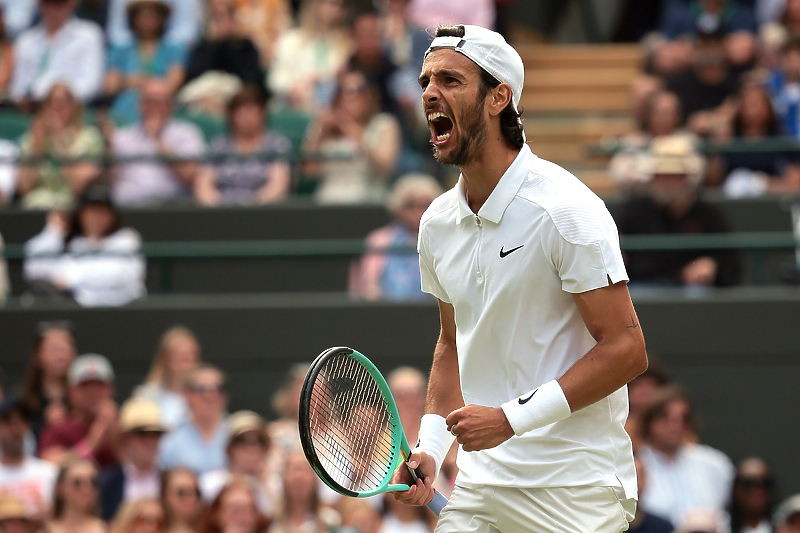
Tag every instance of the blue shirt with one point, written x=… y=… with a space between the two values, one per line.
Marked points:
x=186 y=447
x=682 y=19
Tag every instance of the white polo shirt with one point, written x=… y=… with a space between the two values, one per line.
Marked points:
x=509 y=273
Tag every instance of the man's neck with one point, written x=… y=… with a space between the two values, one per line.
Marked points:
x=11 y=461
x=54 y=27
x=670 y=453
x=207 y=426
x=483 y=174
x=142 y=470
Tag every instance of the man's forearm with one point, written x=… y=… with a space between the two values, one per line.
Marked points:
x=444 y=386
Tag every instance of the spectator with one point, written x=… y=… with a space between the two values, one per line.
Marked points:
x=9 y=152
x=307 y=58
x=682 y=477
x=784 y=86
x=18 y=16
x=58 y=131
x=183 y=29
x=140 y=516
x=75 y=500
x=6 y=57
x=707 y=89
x=137 y=476
x=428 y=14
x=87 y=430
x=401 y=518
x=263 y=22
x=752 y=498
x=645 y=522
x=354 y=129
x=249 y=181
x=247 y=448
x=14 y=518
x=22 y=476
x=703 y=521
x=199 y=443
x=395 y=275
x=301 y=507
x=180 y=498
x=156 y=135
x=45 y=388
x=178 y=353
x=92 y=257
x=60 y=49
x=670 y=205
x=148 y=56
x=399 y=34
x=787 y=516
x=358 y=516
x=409 y=386
x=235 y=511
x=640 y=394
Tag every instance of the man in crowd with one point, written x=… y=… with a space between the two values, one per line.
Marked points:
x=88 y=429
x=682 y=476
x=14 y=518
x=199 y=443
x=137 y=476
x=28 y=479
x=60 y=49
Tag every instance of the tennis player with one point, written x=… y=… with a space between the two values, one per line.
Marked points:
x=538 y=333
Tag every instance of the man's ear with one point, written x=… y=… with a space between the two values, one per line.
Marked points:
x=499 y=99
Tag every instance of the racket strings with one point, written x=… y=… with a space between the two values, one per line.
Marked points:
x=350 y=425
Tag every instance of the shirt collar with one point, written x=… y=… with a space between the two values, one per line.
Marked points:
x=505 y=190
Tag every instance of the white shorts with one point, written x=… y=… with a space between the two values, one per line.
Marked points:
x=491 y=509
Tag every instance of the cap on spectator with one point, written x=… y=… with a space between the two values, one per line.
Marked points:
x=786 y=510
x=90 y=367
x=163 y=8
x=241 y=422
x=673 y=155
x=12 y=403
x=12 y=509
x=97 y=193
x=138 y=414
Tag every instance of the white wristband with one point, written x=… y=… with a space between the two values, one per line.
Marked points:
x=540 y=407
x=434 y=439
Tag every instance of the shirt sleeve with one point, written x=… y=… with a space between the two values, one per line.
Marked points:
x=430 y=281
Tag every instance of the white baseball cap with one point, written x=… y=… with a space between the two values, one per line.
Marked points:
x=490 y=51
x=90 y=367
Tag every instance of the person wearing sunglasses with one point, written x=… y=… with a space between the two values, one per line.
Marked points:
x=75 y=499
x=180 y=498
x=753 y=497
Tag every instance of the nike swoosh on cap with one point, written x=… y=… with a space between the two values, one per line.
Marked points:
x=505 y=253
x=523 y=401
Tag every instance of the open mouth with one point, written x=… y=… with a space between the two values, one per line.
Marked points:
x=441 y=127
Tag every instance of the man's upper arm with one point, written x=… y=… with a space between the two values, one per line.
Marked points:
x=608 y=311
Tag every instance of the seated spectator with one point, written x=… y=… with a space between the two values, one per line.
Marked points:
x=247 y=448
x=137 y=476
x=307 y=58
x=180 y=498
x=235 y=509
x=429 y=14
x=183 y=29
x=92 y=257
x=643 y=521
x=670 y=205
x=300 y=501
x=752 y=173
x=199 y=443
x=60 y=49
x=6 y=57
x=45 y=388
x=14 y=518
x=28 y=479
x=148 y=56
x=395 y=275
x=88 y=429
x=18 y=16
x=787 y=516
x=58 y=131
x=401 y=518
x=783 y=84
x=75 y=500
x=753 y=497
x=178 y=353
x=247 y=181
x=358 y=516
x=9 y=151
x=156 y=135
x=784 y=16
x=263 y=22
x=706 y=90
x=682 y=477
x=362 y=145
x=399 y=33
x=409 y=386
x=640 y=394
x=703 y=521
x=139 y=516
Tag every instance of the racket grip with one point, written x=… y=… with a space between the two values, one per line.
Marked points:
x=437 y=503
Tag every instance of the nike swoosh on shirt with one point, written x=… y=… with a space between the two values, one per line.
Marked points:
x=523 y=401
x=503 y=254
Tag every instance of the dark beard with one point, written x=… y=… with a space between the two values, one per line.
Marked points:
x=472 y=135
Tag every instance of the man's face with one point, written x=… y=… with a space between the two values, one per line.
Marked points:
x=88 y=396
x=247 y=451
x=141 y=448
x=56 y=12
x=156 y=101
x=206 y=396
x=12 y=434
x=668 y=430
x=454 y=106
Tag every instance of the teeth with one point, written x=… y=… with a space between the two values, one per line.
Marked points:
x=437 y=114
x=442 y=137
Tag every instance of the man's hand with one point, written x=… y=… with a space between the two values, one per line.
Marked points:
x=478 y=428
x=419 y=493
x=701 y=271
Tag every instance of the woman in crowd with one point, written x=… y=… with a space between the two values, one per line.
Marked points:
x=178 y=353
x=753 y=497
x=301 y=510
x=90 y=256
x=58 y=131
x=45 y=389
x=6 y=59
x=235 y=511
x=263 y=21
x=254 y=181
x=395 y=276
x=75 y=499
x=141 y=516
x=361 y=142
x=180 y=499
x=149 y=56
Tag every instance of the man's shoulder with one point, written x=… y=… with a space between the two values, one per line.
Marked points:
x=703 y=453
x=440 y=206
x=81 y=29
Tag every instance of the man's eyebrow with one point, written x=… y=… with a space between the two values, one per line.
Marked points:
x=441 y=73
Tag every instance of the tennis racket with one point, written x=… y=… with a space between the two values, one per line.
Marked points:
x=350 y=428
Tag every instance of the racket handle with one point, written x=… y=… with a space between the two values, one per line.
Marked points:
x=437 y=503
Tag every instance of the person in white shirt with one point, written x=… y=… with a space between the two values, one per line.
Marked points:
x=537 y=326
x=682 y=476
x=60 y=49
x=23 y=476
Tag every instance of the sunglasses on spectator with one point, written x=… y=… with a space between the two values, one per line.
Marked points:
x=186 y=492
x=250 y=440
x=80 y=481
x=207 y=389
x=751 y=483
x=151 y=520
